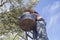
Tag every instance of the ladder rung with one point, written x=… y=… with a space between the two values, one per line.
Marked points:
x=29 y=36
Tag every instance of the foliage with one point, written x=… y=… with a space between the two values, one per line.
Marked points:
x=9 y=23
x=9 y=20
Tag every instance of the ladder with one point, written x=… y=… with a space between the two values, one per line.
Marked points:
x=32 y=35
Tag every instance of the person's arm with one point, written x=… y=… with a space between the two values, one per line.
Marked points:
x=29 y=10
x=39 y=18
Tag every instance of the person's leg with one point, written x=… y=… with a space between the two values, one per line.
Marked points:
x=35 y=33
x=42 y=34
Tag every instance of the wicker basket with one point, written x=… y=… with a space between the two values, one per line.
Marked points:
x=27 y=22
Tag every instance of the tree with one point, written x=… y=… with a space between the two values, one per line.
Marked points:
x=9 y=20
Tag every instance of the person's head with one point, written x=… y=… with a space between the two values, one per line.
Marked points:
x=34 y=12
x=31 y=11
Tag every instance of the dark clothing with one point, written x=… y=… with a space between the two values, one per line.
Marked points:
x=41 y=29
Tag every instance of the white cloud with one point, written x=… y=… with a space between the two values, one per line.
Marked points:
x=53 y=27
x=52 y=11
x=54 y=6
x=52 y=14
x=53 y=20
x=51 y=8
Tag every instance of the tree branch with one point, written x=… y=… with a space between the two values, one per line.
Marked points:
x=3 y=3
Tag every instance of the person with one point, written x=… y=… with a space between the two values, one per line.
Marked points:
x=40 y=27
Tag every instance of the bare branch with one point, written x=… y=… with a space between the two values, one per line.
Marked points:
x=3 y=3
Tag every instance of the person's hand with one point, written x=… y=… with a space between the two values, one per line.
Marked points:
x=29 y=10
x=39 y=17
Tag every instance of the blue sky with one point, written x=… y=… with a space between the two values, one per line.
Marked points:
x=50 y=11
